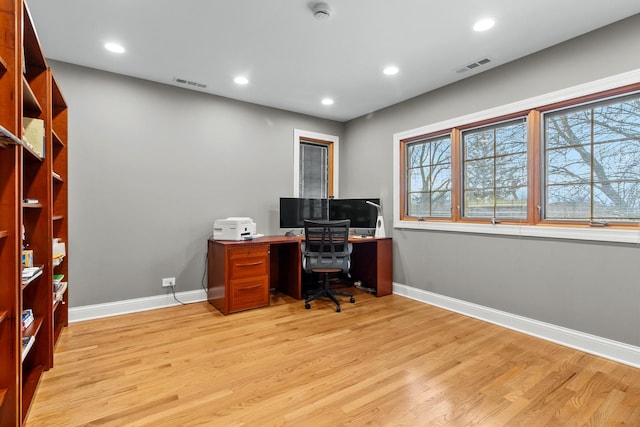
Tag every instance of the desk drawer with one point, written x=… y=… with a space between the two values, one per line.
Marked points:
x=249 y=293
x=249 y=261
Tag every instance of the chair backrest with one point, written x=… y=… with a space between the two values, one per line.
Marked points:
x=326 y=245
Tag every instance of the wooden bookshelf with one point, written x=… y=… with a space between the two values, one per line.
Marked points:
x=28 y=89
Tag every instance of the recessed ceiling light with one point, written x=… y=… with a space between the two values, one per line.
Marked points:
x=390 y=70
x=114 y=47
x=327 y=101
x=484 y=24
x=240 y=80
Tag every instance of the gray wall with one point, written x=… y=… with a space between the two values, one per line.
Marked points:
x=150 y=169
x=590 y=287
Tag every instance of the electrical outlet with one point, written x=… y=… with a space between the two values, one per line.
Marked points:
x=169 y=282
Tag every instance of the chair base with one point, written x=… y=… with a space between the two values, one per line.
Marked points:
x=326 y=292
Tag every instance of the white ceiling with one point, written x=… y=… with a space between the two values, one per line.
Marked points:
x=294 y=60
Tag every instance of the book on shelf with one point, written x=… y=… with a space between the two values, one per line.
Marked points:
x=31 y=201
x=57 y=278
x=27 y=258
x=59 y=285
x=27 y=343
x=58 y=293
x=30 y=273
x=59 y=248
x=27 y=318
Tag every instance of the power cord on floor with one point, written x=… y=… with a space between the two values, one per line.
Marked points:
x=173 y=291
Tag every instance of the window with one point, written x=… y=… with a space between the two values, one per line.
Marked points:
x=561 y=165
x=314 y=170
x=495 y=171
x=592 y=162
x=428 y=178
x=315 y=165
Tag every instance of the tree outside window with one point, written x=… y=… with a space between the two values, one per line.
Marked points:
x=592 y=162
x=428 y=178
x=495 y=171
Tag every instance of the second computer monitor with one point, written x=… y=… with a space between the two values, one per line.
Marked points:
x=361 y=214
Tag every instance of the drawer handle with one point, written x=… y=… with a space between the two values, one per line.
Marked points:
x=246 y=288
x=250 y=264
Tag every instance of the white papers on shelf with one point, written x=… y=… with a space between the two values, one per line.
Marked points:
x=27 y=343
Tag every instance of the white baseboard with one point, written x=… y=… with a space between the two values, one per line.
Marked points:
x=96 y=311
x=603 y=347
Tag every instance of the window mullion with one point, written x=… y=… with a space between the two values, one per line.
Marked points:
x=592 y=179
x=495 y=174
x=534 y=162
x=456 y=174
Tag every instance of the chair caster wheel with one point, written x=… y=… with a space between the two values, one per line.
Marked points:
x=338 y=309
x=352 y=300
x=307 y=305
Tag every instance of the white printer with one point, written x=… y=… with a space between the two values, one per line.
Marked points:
x=234 y=228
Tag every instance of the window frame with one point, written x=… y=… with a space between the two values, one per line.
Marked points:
x=493 y=125
x=405 y=199
x=584 y=103
x=532 y=109
x=333 y=145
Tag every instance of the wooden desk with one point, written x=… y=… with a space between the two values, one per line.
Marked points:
x=241 y=273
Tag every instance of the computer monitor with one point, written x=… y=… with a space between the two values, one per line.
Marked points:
x=361 y=214
x=294 y=210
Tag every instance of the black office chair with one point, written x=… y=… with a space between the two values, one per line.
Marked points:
x=326 y=250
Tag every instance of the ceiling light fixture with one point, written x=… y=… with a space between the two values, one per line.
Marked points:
x=321 y=11
x=484 y=24
x=390 y=70
x=240 y=80
x=114 y=47
x=327 y=101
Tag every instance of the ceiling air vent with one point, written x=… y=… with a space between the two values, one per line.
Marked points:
x=473 y=65
x=189 y=83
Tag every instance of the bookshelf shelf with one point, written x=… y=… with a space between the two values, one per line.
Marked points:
x=29 y=386
x=28 y=281
x=32 y=155
x=31 y=104
x=28 y=90
x=56 y=139
x=34 y=328
x=32 y=205
x=57 y=332
x=8 y=137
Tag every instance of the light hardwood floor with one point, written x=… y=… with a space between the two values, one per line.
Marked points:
x=387 y=361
